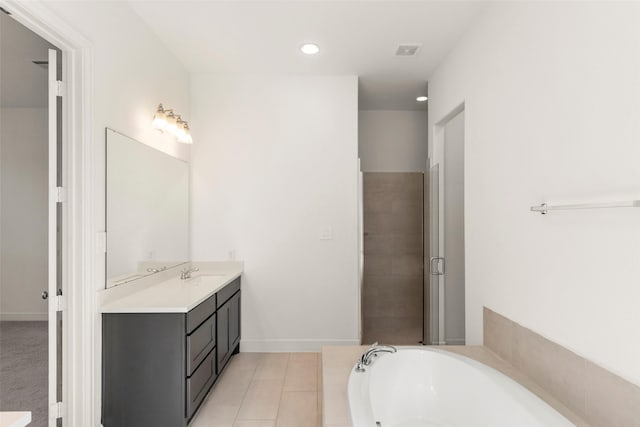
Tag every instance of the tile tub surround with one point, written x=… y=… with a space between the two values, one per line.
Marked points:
x=337 y=363
x=264 y=390
x=336 y=366
x=595 y=394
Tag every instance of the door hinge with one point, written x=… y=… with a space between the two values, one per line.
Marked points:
x=60 y=303
x=61 y=195
x=56 y=411
x=59 y=88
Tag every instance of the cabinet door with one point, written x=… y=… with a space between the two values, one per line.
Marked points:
x=143 y=377
x=222 y=341
x=234 y=321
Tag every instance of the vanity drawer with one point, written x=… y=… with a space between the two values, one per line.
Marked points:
x=200 y=343
x=200 y=382
x=199 y=314
x=227 y=292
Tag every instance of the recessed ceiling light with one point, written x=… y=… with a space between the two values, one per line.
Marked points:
x=310 y=48
x=421 y=98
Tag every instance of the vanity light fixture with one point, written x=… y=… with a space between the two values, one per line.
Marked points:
x=421 y=98
x=310 y=48
x=185 y=136
x=179 y=133
x=165 y=119
x=172 y=123
x=160 y=118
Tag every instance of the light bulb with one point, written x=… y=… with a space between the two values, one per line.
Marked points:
x=185 y=135
x=172 y=123
x=180 y=131
x=310 y=48
x=160 y=118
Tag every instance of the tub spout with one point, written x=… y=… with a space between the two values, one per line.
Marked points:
x=369 y=355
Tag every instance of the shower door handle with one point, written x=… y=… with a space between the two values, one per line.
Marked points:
x=436 y=271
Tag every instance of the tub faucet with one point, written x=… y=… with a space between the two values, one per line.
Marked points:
x=185 y=273
x=372 y=352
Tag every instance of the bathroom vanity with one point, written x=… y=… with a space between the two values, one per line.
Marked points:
x=169 y=326
x=165 y=345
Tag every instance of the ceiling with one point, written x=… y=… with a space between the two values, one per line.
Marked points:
x=376 y=93
x=262 y=37
x=23 y=84
x=355 y=37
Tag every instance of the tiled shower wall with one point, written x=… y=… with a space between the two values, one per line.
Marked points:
x=592 y=392
x=393 y=255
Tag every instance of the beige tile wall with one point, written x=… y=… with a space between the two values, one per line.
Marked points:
x=392 y=294
x=593 y=393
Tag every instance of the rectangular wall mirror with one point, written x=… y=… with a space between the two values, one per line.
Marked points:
x=147 y=210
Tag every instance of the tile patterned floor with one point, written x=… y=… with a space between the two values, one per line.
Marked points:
x=265 y=390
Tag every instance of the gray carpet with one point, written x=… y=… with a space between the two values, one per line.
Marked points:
x=24 y=369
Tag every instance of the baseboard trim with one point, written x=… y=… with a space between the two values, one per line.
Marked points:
x=299 y=345
x=24 y=317
x=455 y=341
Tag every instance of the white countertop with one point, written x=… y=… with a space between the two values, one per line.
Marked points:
x=174 y=295
x=14 y=419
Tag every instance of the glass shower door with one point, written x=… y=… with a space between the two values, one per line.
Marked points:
x=435 y=257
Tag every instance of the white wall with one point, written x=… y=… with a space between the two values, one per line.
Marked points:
x=275 y=162
x=551 y=107
x=23 y=213
x=132 y=72
x=392 y=141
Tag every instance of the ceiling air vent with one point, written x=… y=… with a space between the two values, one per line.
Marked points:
x=408 y=49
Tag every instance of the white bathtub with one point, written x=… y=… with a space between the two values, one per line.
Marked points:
x=431 y=387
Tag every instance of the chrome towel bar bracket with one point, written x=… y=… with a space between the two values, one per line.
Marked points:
x=545 y=208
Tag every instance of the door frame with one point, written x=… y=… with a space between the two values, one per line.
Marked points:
x=436 y=157
x=80 y=260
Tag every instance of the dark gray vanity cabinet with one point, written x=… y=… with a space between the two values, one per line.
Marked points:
x=157 y=368
x=228 y=329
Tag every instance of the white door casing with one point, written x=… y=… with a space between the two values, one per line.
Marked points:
x=83 y=262
x=54 y=301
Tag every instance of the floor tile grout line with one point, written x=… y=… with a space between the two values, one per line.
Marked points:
x=319 y=389
x=244 y=395
x=275 y=423
x=253 y=380
x=252 y=375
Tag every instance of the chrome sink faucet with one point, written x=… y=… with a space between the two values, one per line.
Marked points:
x=185 y=273
x=367 y=357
